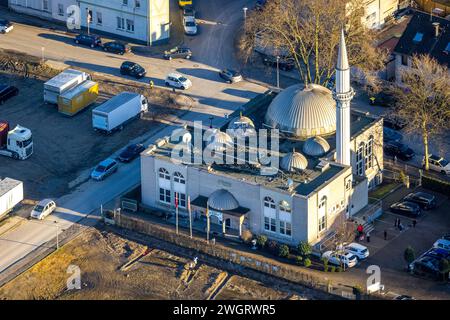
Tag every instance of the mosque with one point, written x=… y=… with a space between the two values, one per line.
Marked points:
x=329 y=159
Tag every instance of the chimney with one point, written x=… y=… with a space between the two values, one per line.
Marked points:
x=436 y=29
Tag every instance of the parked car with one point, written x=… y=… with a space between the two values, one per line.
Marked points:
x=442 y=244
x=188 y=11
x=230 y=76
x=176 y=52
x=88 y=40
x=284 y=63
x=438 y=164
x=43 y=209
x=403 y=297
x=104 y=169
x=347 y=259
x=424 y=200
x=7 y=92
x=406 y=208
x=5 y=26
x=391 y=135
x=438 y=253
x=131 y=152
x=361 y=252
x=190 y=26
x=394 y=123
x=116 y=47
x=399 y=150
x=132 y=69
x=177 y=80
x=426 y=266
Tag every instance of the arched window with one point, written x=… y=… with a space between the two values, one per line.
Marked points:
x=285 y=218
x=269 y=203
x=285 y=207
x=178 y=177
x=322 y=213
x=163 y=173
x=360 y=159
x=369 y=154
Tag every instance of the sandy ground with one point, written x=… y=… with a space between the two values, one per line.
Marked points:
x=102 y=257
x=65 y=146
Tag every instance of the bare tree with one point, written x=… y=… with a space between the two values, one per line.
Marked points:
x=309 y=30
x=423 y=100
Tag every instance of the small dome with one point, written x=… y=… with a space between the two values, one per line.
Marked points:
x=293 y=161
x=303 y=112
x=181 y=135
x=222 y=200
x=241 y=122
x=316 y=146
x=220 y=137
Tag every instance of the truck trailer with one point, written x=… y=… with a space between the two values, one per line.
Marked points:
x=11 y=194
x=76 y=99
x=118 y=110
x=16 y=143
x=64 y=81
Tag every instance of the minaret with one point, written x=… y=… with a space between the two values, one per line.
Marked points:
x=343 y=94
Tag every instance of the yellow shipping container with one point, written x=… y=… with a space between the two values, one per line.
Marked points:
x=76 y=99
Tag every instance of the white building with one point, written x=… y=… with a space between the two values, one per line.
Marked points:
x=142 y=21
x=45 y=9
x=378 y=12
x=146 y=21
x=316 y=188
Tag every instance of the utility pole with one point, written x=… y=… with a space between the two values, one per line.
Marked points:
x=57 y=236
x=190 y=216
x=207 y=222
x=278 y=72
x=176 y=211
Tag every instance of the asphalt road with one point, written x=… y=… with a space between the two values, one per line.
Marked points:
x=212 y=96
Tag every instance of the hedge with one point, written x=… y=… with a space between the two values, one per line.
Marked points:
x=436 y=184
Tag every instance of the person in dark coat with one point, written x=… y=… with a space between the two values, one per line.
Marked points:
x=385 y=235
x=414 y=223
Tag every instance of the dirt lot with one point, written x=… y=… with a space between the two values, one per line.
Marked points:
x=65 y=146
x=102 y=257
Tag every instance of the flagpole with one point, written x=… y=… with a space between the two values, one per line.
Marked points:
x=176 y=210
x=190 y=216
x=207 y=222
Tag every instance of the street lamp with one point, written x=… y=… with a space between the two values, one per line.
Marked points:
x=278 y=72
x=245 y=13
x=57 y=236
x=210 y=121
x=43 y=54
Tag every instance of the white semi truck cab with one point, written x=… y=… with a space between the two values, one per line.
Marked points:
x=16 y=143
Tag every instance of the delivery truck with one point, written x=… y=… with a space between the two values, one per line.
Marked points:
x=118 y=110
x=11 y=194
x=76 y=99
x=64 y=81
x=16 y=143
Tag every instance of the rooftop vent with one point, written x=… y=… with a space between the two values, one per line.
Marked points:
x=323 y=166
x=436 y=29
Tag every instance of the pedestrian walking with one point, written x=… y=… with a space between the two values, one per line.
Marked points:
x=414 y=223
x=368 y=237
x=385 y=235
x=396 y=223
x=399 y=223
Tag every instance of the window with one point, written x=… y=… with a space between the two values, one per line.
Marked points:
x=269 y=203
x=284 y=207
x=125 y=2
x=164 y=174
x=404 y=59
x=130 y=25
x=60 y=9
x=178 y=177
x=360 y=159
x=369 y=154
x=181 y=199
x=45 y=5
x=285 y=228
x=270 y=224
x=322 y=214
x=120 y=23
x=322 y=223
x=99 y=18
x=164 y=195
x=137 y=3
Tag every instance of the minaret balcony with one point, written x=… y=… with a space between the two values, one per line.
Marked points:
x=345 y=96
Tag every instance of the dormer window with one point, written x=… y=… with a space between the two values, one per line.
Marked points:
x=418 y=37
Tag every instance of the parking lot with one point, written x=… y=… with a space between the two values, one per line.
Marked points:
x=388 y=254
x=67 y=147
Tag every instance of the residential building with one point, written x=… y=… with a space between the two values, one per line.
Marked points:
x=144 y=21
x=437 y=7
x=45 y=9
x=378 y=12
x=425 y=34
x=328 y=159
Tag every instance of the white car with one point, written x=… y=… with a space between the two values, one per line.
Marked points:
x=438 y=164
x=361 y=252
x=43 y=209
x=5 y=26
x=177 y=80
x=347 y=259
x=190 y=26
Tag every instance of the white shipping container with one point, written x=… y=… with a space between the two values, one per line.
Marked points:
x=62 y=82
x=11 y=193
x=118 y=110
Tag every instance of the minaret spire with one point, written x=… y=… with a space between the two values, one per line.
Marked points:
x=343 y=94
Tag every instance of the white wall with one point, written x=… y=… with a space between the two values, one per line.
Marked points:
x=37 y=8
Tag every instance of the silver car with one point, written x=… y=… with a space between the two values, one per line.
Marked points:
x=231 y=76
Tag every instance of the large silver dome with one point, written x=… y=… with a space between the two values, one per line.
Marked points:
x=293 y=161
x=222 y=200
x=303 y=113
x=316 y=146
